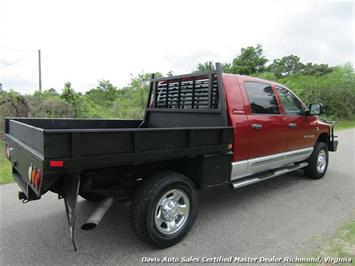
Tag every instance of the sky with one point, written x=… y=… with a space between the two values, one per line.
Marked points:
x=84 y=41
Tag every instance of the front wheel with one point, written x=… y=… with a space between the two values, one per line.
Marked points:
x=318 y=161
x=164 y=209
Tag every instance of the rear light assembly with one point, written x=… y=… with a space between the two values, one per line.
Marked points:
x=56 y=163
x=34 y=175
x=8 y=150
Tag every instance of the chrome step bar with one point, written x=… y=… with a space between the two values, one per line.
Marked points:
x=267 y=175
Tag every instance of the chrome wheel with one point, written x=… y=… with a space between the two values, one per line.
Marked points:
x=321 y=161
x=172 y=211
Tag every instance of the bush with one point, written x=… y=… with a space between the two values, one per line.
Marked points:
x=12 y=104
x=53 y=107
x=336 y=90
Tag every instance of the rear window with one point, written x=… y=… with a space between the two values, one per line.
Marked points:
x=261 y=98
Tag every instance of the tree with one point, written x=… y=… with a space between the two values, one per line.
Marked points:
x=107 y=87
x=53 y=92
x=209 y=65
x=286 y=66
x=104 y=93
x=250 y=61
x=316 y=69
x=72 y=98
x=69 y=94
x=202 y=67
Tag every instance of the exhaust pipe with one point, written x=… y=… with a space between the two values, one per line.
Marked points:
x=96 y=217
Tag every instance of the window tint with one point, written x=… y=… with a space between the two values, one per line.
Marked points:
x=292 y=106
x=262 y=98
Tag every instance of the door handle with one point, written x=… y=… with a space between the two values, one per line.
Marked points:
x=256 y=126
x=292 y=125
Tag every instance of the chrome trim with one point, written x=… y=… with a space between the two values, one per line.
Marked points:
x=263 y=160
x=251 y=180
x=239 y=168
x=172 y=211
x=237 y=112
x=245 y=168
x=243 y=183
x=322 y=161
x=256 y=126
x=280 y=156
x=309 y=136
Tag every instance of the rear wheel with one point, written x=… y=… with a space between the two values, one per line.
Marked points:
x=164 y=209
x=318 y=161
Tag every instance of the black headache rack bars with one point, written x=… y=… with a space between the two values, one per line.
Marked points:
x=191 y=94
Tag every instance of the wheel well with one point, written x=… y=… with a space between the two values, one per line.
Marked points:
x=203 y=171
x=324 y=137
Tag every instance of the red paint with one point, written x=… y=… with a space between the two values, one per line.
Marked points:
x=56 y=163
x=237 y=117
x=275 y=136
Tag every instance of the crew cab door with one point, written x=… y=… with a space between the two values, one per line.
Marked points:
x=300 y=128
x=267 y=124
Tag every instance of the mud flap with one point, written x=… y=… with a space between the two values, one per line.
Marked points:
x=70 y=190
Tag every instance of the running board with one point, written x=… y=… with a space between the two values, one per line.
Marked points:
x=242 y=182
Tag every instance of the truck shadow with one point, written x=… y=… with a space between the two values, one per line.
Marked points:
x=213 y=204
x=48 y=236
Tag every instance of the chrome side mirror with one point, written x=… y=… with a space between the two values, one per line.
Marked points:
x=316 y=109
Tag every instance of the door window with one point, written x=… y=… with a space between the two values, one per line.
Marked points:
x=261 y=98
x=291 y=104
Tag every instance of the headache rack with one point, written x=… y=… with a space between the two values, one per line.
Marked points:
x=175 y=101
x=196 y=92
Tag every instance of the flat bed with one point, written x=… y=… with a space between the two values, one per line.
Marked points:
x=57 y=147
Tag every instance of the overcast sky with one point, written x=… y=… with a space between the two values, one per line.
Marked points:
x=85 y=41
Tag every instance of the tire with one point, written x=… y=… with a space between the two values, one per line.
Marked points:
x=157 y=213
x=318 y=161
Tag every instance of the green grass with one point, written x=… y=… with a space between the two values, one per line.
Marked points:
x=342 y=245
x=344 y=124
x=5 y=167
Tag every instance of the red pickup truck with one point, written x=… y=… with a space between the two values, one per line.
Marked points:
x=199 y=131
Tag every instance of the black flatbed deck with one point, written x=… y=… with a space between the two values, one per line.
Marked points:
x=84 y=148
x=185 y=117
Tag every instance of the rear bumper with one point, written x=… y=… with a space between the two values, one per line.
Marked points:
x=22 y=159
x=333 y=145
x=25 y=187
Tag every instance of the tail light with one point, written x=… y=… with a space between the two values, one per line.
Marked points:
x=37 y=179
x=8 y=150
x=56 y=163
x=34 y=175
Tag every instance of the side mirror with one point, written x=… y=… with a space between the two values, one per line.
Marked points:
x=316 y=109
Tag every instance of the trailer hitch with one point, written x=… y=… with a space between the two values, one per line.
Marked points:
x=22 y=197
x=70 y=191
